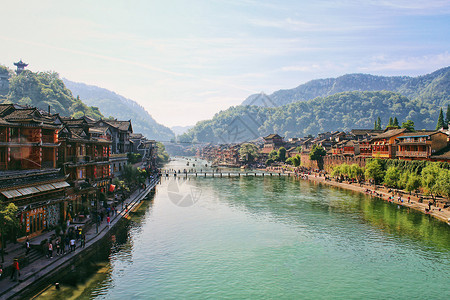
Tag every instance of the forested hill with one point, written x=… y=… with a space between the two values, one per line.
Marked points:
x=341 y=111
x=44 y=90
x=121 y=108
x=433 y=88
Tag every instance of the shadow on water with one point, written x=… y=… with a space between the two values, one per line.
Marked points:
x=81 y=280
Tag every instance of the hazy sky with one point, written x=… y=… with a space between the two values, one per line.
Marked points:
x=186 y=60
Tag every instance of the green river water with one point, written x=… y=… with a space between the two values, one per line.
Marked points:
x=268 y=238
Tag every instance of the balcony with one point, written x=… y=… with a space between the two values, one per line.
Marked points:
x=412 y=153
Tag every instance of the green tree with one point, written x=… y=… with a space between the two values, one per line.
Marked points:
x=374 y=170
x=378 y=123
x=391 y=122
x=161 y=155
x=8 y=223
x=395 y=123
x=409 y=125
x=440 y=122
x=392 y=177
x=356 y=171
x=273 y=155
x=413 y=183
x=297 y=160
x=443 y=182
x=282 y=154
x=269 y=162
x=248 y=152
x=317 y=153
x=429 y=178
x=447 y=115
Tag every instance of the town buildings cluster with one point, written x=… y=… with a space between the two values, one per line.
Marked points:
x=351 y=147
x=54 y=168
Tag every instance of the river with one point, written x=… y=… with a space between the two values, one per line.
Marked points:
x=268 y=237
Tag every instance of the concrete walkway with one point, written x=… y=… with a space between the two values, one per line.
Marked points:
x=43 y=266
x=439 y=213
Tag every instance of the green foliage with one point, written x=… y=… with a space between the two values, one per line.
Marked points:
x=436 y=180
x=317 y=153
x=134 y=157
x=290 y=161
x=282 y=154
x=269 y=162
x=395 y=123
x=248 y=152
x=391 y=122
x=161 y=155
x=447 y=115
x=440 y=121
x=341 y=111
x=378 y=123
x=8 y=220
x=294 y=161
x=392 y=177
x=351 y=171
x=374 y=170
x=413 y=182
x=44 y=89
x=408 y=125
x=273 y=155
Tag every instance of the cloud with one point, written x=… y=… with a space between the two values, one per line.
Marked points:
x=419 y=64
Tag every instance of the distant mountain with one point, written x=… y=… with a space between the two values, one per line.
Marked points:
x=432 y=88
x=121 y=108
x=178 y=130
x=343 y=103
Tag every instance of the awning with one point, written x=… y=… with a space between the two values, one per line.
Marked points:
x=60 y=184
x=28 y=190
x=11 y=194
x=33 y=190
x=45 y=187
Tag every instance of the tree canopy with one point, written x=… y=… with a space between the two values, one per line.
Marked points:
x=44 y=90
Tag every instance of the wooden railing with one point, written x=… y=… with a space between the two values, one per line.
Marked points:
x=412 y=153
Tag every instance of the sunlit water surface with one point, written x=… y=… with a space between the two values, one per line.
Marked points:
x=271 y=237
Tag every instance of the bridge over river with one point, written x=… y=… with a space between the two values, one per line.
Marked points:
x=225 y=174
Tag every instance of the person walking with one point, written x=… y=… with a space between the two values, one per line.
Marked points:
x=67 y=243
x=108 y=221
x=83 y=240
x=16 y=270
x=72 y=245
x=50 y=249
x=58 y=246
x=27 y=247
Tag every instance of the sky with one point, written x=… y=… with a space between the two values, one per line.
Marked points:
x=184 y=61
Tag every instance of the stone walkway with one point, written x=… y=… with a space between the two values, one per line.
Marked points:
x=442 y=214
x=42 y=266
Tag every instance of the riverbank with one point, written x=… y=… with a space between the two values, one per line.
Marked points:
x=440 y=213
x=36 y=274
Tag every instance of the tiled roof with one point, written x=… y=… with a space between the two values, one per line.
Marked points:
x=5 y=107
x=419 y=133
x=389 y=133
x=121 y=125
x=271 y=136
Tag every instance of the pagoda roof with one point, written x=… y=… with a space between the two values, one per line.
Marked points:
x=20 y=63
